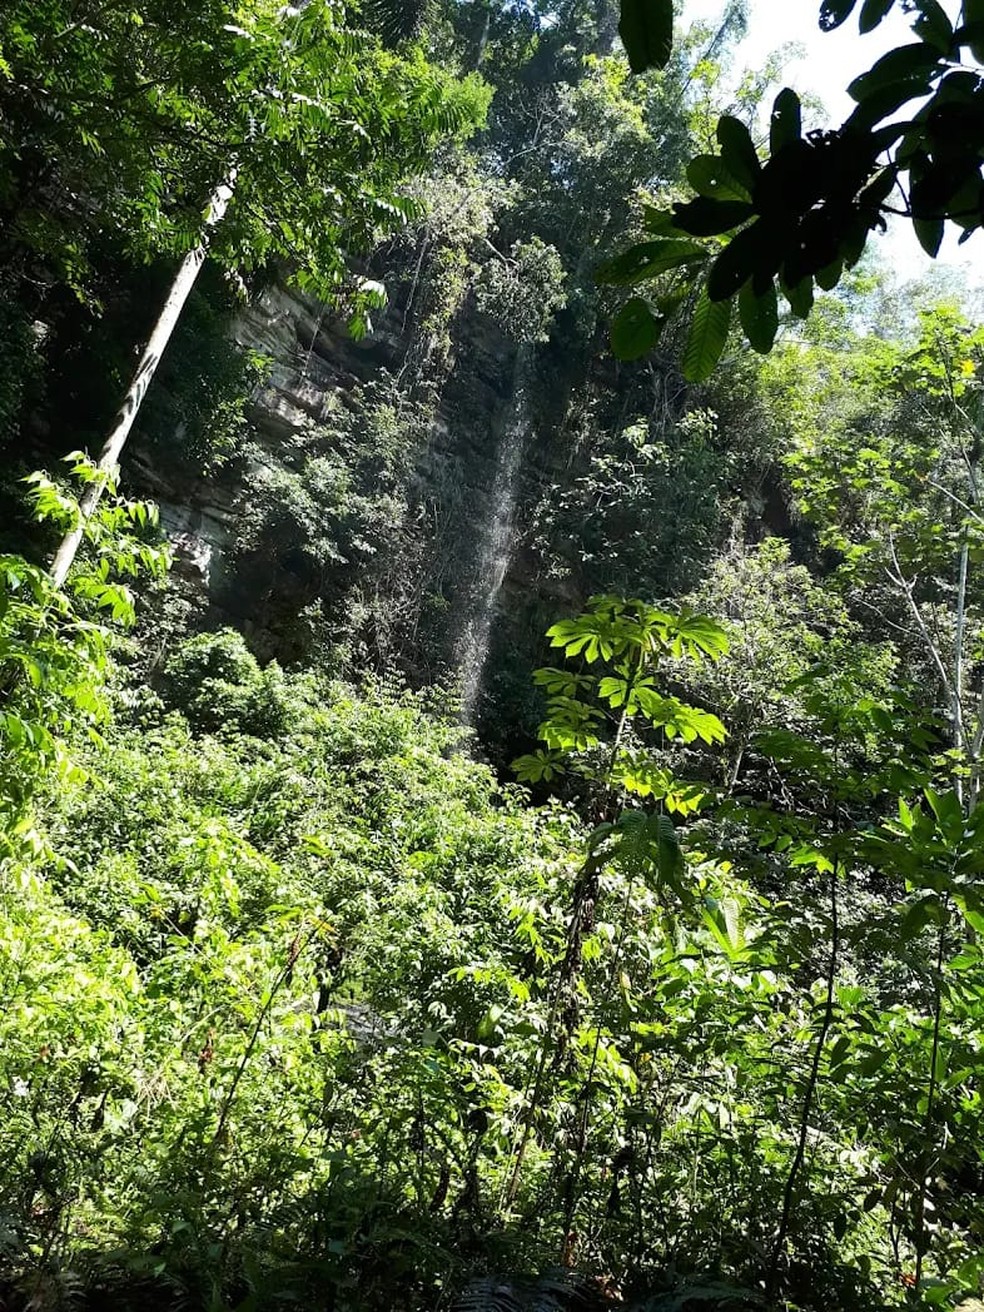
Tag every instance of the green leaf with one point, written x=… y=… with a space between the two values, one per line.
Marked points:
x=800 y=297
x=647 y=259
x=919 y=915
x=872 y=13
x=614 y=690
x=973 y=18
x=748 y=253
x=708 y=334
x=646 y=29
x=933 y=26
x=759 y=317
x=658 y=222
x=930 y=234
x=786 y=124
x=722 y=918
x=708 y=177
x=694 y=635
x=829 y=276
x=948 y=811
x=635 y=330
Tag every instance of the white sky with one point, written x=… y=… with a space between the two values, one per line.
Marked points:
x=830 y=61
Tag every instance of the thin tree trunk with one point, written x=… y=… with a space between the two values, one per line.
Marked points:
x=929 y=1139
x=958 y=660
x=170 y=314
x=813 y=1080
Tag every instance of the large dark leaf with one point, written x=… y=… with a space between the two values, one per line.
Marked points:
x=933 y=26
x=830 y=275
x=635 y=330
x=872 y=13
x=966 y=207
x=854 y=238
x=834 y=12
x=786 y=124
x=908 y=68
x=973 y=17
x=759 y=317
x=708 y=334
x=878 y=106
x=704 y=217
x=800 y=297
x=947 y=188
x=646 y=29
x=738 y=151
x=930 y=234
x=747 y=254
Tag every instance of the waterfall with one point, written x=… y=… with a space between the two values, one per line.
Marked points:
x=497 y=540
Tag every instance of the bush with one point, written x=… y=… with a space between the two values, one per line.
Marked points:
x=217 y=682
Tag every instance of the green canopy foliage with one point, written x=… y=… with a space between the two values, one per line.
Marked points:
x=123 y=118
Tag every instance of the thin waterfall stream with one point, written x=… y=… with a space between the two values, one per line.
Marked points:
x=498 y=540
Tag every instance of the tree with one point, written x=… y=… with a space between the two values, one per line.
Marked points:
x=802 y=216
x=123 y=119
x=300 y=136
x=885 y=459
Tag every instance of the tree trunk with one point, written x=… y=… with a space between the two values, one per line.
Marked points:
x=170 y=314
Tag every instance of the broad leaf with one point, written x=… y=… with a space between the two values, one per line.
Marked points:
x=705 y=217
x=738 y=151
x=933 y=26
x=708 y=334
x=786 y=124
x=708 y=177
x=635 y=330
x=907 y=70
x=930 y=235
x=759 y=317
x=872 y=13
x=829 y=276
x=646 y=29
x=647 y=259
x=973 y=17
x=835 y=12
x=749 y=252
x=800 y=297
x=538 y=766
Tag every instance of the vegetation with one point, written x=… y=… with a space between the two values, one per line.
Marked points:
x=804 y=216
x=361 y=947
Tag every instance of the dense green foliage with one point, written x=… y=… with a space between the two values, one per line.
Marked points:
x=311 y=998
x=124 y=117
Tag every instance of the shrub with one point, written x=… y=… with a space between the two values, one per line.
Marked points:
x=217 y=682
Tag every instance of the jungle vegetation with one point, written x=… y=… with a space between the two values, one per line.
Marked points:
x=538 y=877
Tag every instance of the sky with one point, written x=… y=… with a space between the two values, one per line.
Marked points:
x=829 y=61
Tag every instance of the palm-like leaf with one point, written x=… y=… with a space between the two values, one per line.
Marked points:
x=394 y=21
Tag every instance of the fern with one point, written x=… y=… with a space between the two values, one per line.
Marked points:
x=693 y=1298
x=488 y=1294
x=395 y=21
x=554 y=1291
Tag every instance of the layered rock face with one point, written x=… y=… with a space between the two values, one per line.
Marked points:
x=454 y=517
x=390 y=512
